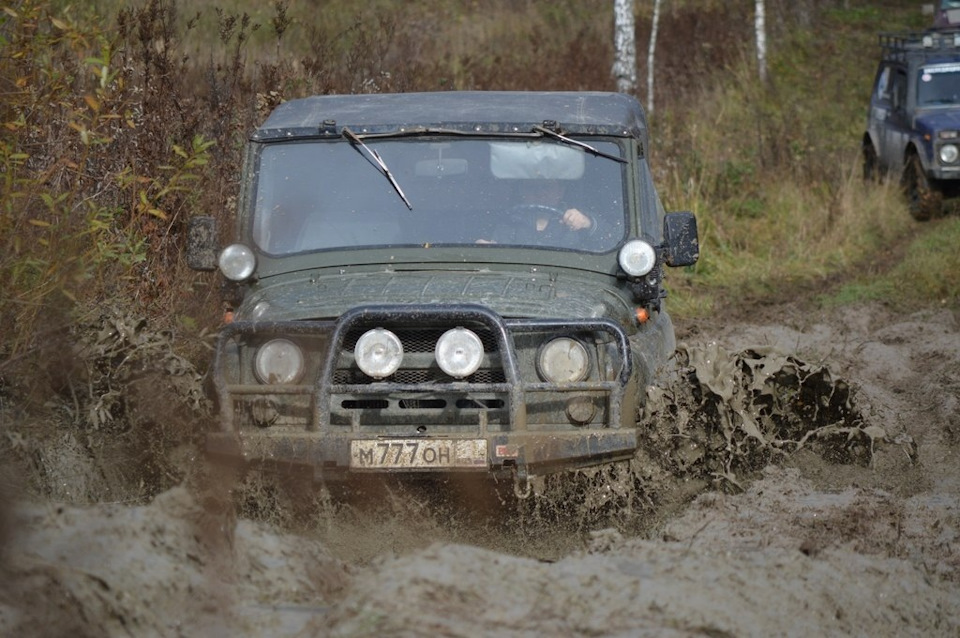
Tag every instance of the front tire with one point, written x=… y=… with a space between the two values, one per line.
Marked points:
x=871 y=164
x=924 y=199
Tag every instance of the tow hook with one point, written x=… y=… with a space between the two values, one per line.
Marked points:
x=522 y=485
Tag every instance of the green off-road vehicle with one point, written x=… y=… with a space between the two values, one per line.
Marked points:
x=444 y=282
x=913 y=123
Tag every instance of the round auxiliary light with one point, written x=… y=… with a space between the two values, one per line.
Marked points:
x=237 y=262
x=378 y=353
x=459 y=352
x=637 y=258
x=563 y=360
x=278 y=362
x=949 y=153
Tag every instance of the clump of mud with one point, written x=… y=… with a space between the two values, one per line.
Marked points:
x=715 y=421
x=726 y=415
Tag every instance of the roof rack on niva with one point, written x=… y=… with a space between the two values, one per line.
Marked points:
x=898 y=46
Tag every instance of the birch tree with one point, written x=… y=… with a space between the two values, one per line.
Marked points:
x=650 y=52
x=760 y=28
x=625 y=48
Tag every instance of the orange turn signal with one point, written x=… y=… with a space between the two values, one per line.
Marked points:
x=642 y=315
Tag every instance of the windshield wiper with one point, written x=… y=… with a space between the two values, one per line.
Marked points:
x=578 y=143
x=377 y=161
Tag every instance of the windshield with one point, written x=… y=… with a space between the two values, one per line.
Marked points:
x=322 y=195
x=939 y=84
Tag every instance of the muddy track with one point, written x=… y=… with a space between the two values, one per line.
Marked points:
x=806 y=543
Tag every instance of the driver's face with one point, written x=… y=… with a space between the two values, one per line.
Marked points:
x=548 y=192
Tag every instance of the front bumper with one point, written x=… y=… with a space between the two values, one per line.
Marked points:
x=945 y=173
x=522 y=452
x=522 y=423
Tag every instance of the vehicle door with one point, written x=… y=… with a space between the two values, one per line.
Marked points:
x=896 y=130
x=880 y=108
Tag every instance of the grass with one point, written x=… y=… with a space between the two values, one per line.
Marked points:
x=926 y=275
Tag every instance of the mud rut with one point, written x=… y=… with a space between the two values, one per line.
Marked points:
x=798 y=475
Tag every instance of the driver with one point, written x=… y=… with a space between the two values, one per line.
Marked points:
x=542 y=217
x=549 y=193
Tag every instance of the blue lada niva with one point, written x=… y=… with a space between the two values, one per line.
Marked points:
x=913 y=125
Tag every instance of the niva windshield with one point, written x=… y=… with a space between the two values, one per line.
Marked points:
x=324 y=195
x=939 y=85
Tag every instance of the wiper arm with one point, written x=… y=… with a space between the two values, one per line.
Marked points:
x=378 y=162
x=578 y=143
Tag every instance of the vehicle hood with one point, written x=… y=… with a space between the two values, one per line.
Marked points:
x=510 y=294
x=938 y=120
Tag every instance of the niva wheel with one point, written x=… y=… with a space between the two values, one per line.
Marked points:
x=924 y=200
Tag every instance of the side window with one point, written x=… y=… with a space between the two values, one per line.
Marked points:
x=898 y=89
x=882 y=91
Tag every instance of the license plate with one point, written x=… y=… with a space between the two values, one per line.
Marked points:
x=392 y=454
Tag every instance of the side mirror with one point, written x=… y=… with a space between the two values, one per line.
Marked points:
x=202 y=244
x=680 y=240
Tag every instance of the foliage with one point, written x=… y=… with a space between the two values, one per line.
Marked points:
x=97 y=183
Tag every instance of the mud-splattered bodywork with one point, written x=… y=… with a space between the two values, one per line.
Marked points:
x=405 y=310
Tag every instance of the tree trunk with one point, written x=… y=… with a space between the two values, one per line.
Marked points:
x=761 y=41
x=625 y=48
x=650 y=52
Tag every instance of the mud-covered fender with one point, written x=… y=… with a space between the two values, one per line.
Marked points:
x=652 y=348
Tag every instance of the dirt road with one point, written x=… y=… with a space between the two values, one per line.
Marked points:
x=809 y=545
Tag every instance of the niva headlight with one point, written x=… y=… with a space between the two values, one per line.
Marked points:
x=949 y=154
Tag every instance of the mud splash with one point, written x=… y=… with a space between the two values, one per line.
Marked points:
x=728 y=414
x=717 y=419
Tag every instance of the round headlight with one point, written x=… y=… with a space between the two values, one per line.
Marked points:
x=563 y=360
x=278 y=361
x=459 y=352
x=378 y=353
x=949 y=153
x=237 y=262
x=637 y=258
